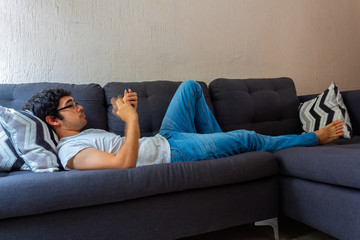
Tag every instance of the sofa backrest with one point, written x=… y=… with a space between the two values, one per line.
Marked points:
x=91 y=96
x=268 y=106
x=351 y=101
x=153 y=99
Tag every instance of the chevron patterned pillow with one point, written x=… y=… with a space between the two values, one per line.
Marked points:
x=324 y=109
x=32 y=139
x=9 y=159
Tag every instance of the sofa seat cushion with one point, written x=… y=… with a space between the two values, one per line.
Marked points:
x=337 y=164
x=27 y=193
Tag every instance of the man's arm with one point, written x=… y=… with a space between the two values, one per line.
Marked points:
x=91 y=158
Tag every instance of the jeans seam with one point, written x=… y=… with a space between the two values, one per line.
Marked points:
x=206 y=117
x=231 y=150
x=187 y=109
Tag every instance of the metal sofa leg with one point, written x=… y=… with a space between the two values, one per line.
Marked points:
x=273 y=222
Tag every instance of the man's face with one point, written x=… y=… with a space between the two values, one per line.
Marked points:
x=73 y=116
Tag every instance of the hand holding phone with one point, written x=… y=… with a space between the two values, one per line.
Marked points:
x=130 y=96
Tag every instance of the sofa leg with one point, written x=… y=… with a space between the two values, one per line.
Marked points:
x=273 y=222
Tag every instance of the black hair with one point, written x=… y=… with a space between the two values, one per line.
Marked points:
x=46 y=103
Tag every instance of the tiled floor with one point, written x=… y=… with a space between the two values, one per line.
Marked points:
x=289 y=230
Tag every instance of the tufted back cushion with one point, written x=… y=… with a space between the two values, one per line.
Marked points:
x=153 y=99
x=91 y=96
x=268 y=106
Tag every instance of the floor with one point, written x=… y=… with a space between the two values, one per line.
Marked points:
x=289 y=230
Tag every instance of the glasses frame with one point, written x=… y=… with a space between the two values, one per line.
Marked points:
x=73 y=105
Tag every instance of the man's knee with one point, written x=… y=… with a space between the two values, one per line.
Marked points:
x=191 y=84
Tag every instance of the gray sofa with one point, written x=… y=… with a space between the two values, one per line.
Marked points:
x=317 y=186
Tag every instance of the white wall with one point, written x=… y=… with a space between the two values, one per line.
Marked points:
x=82 y=41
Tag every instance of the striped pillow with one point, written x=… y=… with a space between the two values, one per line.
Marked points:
x=32 y=139
x=9 y=159
x=324 y=109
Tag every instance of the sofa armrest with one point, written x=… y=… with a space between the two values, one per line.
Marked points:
x=352 y=100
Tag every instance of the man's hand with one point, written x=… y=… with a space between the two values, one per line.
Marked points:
x=131 y=97
x=124 y=109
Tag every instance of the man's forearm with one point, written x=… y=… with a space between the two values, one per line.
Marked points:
x=128 y=152
x=126 y=157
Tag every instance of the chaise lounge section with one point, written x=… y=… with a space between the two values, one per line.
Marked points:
x=319 y=186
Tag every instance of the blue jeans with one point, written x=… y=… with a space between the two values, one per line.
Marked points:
x=194 y=134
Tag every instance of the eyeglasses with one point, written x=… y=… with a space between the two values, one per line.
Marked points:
x=73 y=105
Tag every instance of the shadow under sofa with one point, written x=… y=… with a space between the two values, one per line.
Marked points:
x=171 y=201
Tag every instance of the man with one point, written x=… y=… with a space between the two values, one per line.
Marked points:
x=188 y=124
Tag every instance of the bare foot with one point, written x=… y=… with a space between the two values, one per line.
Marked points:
x=330 y=132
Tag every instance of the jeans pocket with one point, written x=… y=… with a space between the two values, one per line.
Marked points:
x=177 y=155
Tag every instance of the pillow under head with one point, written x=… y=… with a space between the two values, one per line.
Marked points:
x=9 y=158
x=32 y=139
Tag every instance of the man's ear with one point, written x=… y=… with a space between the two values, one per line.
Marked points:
x=52 y=121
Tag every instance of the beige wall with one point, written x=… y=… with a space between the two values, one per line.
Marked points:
x=82 y=41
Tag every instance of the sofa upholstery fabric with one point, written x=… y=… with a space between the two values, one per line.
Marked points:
x=86 y=188
x=329 y=208
x=268 y=106
x=318 y=164
x=160 y=217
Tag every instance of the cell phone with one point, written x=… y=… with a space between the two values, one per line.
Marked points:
x=127 y=87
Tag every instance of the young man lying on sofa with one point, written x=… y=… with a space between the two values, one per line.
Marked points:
x=188 y=124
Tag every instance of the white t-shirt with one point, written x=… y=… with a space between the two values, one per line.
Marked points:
x=152 y=150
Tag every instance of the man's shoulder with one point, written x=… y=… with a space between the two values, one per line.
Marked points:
x=85 y=134
x=93 y=130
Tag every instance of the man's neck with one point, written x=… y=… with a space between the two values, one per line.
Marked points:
x=63 y=133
